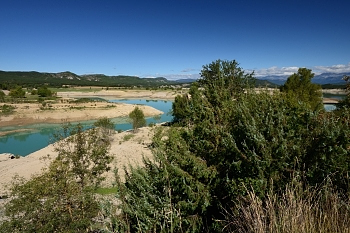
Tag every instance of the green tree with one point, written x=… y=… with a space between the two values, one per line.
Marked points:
x=61 y=199
x=44 y=92
x=18 y=92
x=300 y=88
x=137 y=118
x=220 y=82
x=2 y=96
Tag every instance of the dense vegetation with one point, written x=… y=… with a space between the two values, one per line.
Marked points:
x=9 y=80
x=230 y=142
x=233 y=161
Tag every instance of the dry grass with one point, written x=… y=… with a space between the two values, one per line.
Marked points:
x=297 y=209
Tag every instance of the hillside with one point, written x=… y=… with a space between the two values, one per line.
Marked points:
x=34 y=78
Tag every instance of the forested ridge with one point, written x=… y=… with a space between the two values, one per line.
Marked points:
x=233 y=160
x=34 y=79
x=10 y=79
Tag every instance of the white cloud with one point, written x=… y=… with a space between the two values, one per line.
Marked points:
x=181 y=76
x=274 y=70
x=333 y=69
x=287 y=71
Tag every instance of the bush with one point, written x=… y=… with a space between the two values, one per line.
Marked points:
x=62 y=198
x=137 y=118
x=44 y=92
x=106 y=124
x=7 y=109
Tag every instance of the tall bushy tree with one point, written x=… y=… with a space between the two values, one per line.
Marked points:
x=299 y=87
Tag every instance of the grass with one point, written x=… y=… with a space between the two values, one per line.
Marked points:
x=297 y=209
x=106 y=191
x=127 y=137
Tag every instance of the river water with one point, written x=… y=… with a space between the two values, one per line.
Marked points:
x=38 y=136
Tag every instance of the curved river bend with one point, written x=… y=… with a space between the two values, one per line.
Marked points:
x=38 y=136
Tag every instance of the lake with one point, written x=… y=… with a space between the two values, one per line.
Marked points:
x=39 y=136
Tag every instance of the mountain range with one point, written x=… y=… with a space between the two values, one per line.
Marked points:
x=324 y=78
x=34 y=78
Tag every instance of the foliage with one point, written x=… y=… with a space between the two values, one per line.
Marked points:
x=86 y=153
x=226 y=76
x=17 y=92
x=165 y=196
x=61 y=199
x=50 y=202
x=2 y=96
x=7 y=109
x=8 y=79
x=106 y=124
x=34 y=92
x=300 y=88
x=220 y=81
x=138 y=118
x=232 y=141
x=345 y=103
x=43 y=91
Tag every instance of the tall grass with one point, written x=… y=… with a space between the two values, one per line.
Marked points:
x=297 y=209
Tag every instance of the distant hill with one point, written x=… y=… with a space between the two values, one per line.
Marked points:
x=34 y=78
x=324 y=78
x=186 y=80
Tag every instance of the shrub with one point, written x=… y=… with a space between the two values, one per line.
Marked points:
x=7 y=109
x=137 y=118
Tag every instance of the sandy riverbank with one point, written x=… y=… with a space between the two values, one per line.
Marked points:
x=125 y=152
x=120 y=94
x=65 y=109
x=26 y=114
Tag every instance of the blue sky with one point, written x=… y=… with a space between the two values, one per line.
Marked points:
x=173 y=38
